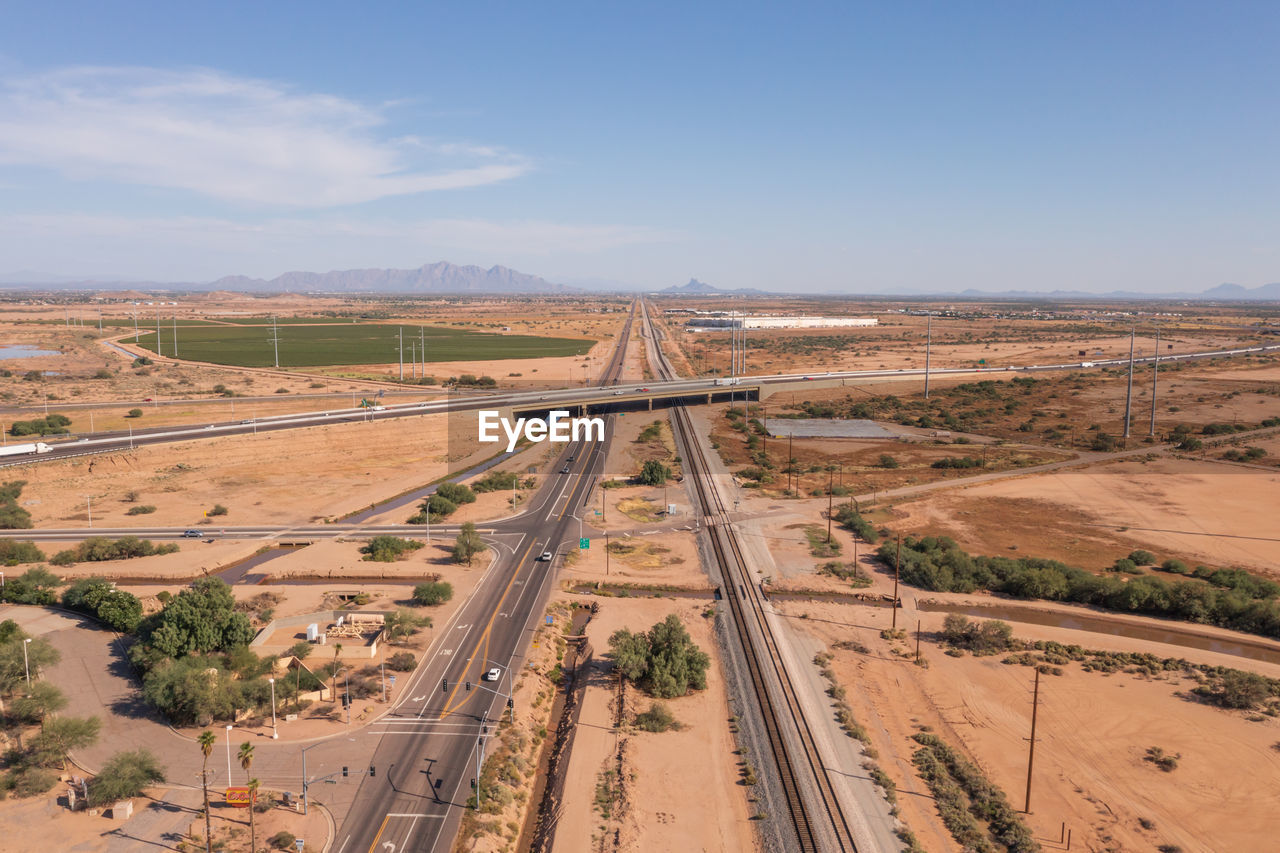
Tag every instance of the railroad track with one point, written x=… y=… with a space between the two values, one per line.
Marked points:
x=762 y=654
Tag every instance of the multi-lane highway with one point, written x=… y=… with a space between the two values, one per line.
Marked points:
x=607 y=393
x=431 y=746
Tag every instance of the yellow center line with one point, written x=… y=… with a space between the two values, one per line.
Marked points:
x=484 y=638
x=378 y=837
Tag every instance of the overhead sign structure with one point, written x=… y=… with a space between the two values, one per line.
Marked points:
x=240 y=797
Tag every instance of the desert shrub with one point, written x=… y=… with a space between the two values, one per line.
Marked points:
x=457 y=493
x=218 y=509
x=987 y=637
x=496 y=481
x=14 y=552
x=850 y=519
x=887 y=461
x=402 y=661
x=12 y=516
x=938 y=563
x=36 y=585
x=100 y=549
x=141 y=509
x=1142 y=558
x=1157 y=756
x=657 y=719
x=283 y=840
x=432 y=593
x=388 y=549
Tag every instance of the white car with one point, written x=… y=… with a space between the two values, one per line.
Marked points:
x=492 y=675
x=618 y=393
x=546 y=557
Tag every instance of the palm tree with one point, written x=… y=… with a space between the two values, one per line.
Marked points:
x=246 y=761
x=206 y=741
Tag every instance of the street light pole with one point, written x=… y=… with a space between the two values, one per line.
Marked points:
x=26 y=663
x=229 y=753
x=275 y=733
x=89 y=504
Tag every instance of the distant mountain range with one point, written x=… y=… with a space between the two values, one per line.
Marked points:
x=701 y=288
x=440 y=277
x=443 y=277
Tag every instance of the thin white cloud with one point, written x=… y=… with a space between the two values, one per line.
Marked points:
x=227 y=137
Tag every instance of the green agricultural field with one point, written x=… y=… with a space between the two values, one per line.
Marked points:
x=349 y=343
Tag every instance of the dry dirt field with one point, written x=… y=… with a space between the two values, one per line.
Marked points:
x=272 y=478
x=1092 y=734
x=1000 y=334
x=674 y=790
x=1200 y=512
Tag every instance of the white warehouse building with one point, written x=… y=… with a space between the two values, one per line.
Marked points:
x=727 y=322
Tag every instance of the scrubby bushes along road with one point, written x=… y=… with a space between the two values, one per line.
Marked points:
x=939 y=564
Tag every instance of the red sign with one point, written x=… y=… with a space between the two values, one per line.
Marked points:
x=241 y=797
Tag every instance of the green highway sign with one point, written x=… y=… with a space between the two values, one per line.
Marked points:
x=584 y=543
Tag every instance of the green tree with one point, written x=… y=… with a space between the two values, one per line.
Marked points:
x=61 y=735
x=654 y=473
x=13 y=666
x=405 y=623
x=467 y=544
x=125 y=775
x=665 y=661
x=39 y=701
x=199 y=619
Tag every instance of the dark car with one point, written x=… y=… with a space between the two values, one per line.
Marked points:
x=191 y=534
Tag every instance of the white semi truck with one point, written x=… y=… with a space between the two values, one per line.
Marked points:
x=732 y=380
x=25 y=449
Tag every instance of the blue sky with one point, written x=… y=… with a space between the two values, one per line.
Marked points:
x=849 y=147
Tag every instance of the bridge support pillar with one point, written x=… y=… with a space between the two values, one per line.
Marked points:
x=708 y=398
x=651 y=404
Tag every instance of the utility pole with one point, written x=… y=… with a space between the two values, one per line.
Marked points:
x=135 y=325
x=830 y=476
x=413 y=360
x=928 y=345
x=158 y=330
x=918 y=642
x=606 y=553
x=897 y=564
x=790 y=436
x=1031 y=753
x=422 y=350
x=1155 y=376
x=1128 y=399
x=175 y=334
x=275 y=343
x=400 y=338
